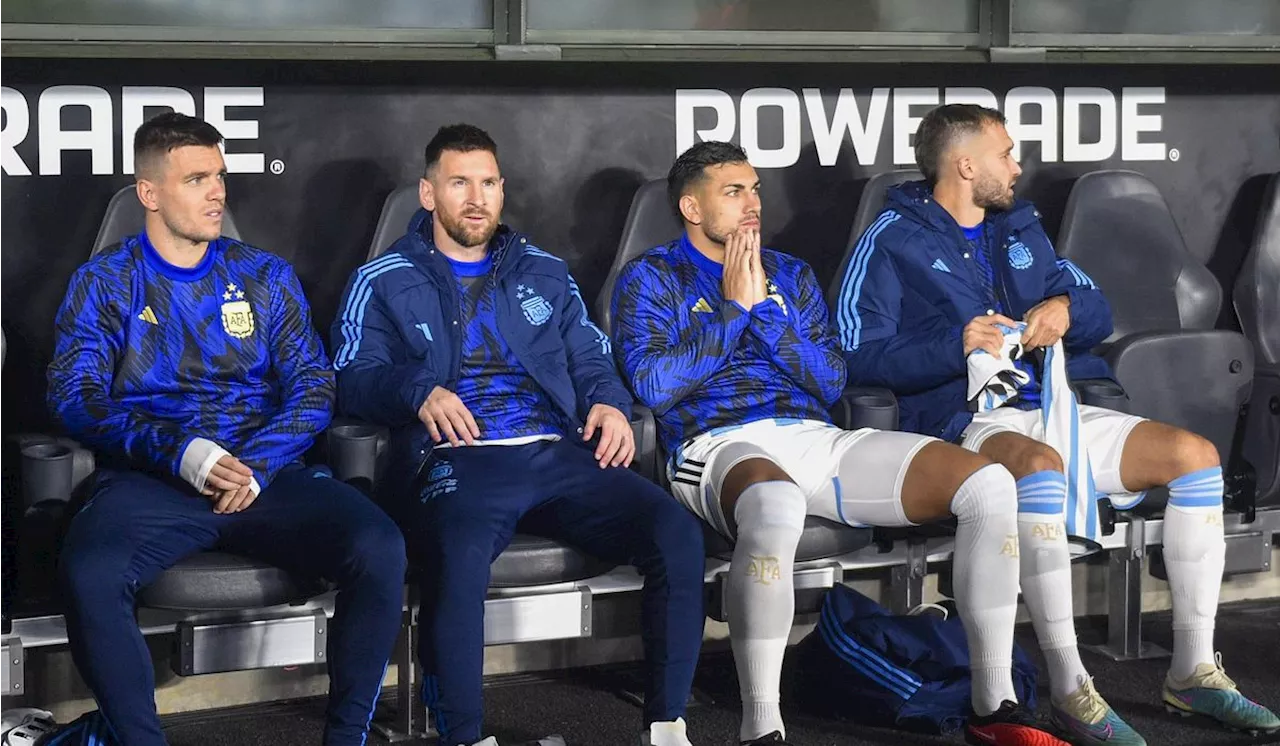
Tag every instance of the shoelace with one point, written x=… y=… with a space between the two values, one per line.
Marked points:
x=1217 y=679
x=1086 y=701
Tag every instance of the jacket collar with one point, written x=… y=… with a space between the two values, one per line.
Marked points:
x=505 y=247
x=914 y=200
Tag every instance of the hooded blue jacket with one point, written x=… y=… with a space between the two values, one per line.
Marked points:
x=912 y=285
x=399 y=333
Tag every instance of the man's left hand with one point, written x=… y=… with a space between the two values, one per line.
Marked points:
x=1047 y=322
x=617 y=442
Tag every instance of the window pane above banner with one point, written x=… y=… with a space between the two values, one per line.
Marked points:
x=1237 y=17
x=952 y=16
x=256 y=14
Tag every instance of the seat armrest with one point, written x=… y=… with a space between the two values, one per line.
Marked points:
x=356 y=449
x=866 y=406
x=1101 y=392
x=645 y=428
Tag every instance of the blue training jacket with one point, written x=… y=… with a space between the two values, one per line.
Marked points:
x=399 y=332
x=703 y=362
x=149 y=356
x=911 y=286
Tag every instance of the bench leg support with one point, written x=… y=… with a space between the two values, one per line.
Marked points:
x=1124 y=601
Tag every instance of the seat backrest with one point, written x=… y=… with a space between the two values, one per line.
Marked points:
x=870 y=204
x=126 y=216
x=394 y=220
x=1119 y=230
x=650 y=223
x=1257 y=290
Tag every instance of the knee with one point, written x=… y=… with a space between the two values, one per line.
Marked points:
x=1192 y=453
x=88 y=578
x=674 y=546
x=1036 y=457
x=778 y=507
x=376 y=546
x=988 y=491
x=677 y=532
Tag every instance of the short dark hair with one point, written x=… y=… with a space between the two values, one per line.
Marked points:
x=691 y=167
x=170 y=131
x=944 y=125
x=460 y=138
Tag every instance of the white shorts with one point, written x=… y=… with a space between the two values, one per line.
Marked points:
x=1103 y=432
x=813 y=454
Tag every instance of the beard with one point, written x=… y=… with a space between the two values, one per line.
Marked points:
x=990 y=194
x=191 y=231
x=718 y=233
x=465 y=234
x=718 y=236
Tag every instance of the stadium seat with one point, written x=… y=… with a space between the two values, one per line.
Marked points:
x=1172 y=363
x=651 y=222
x=396 y=212
x=1257 y=305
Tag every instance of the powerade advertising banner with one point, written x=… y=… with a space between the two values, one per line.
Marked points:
x=314 y=148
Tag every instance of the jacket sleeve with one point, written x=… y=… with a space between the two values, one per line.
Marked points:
x=591 y=366
x=878 y=351
x=1090 y=313
x=807 y=353
x=663 y=367
x=89 y=337
x=305 y=381
x=377 y=380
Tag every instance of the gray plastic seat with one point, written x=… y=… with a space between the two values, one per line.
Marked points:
x=126 y=216
x=1257 y=305
x=533 y=560
x=217 y=581
x=870 y=204
x=528 y=560
x=1172 y=363
x=208 y=580
x=396 y=212
x=651 y=222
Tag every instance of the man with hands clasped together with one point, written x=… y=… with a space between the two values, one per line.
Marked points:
x=187 y=361
x=475 y=347
x=931 y=283
x=730 y=344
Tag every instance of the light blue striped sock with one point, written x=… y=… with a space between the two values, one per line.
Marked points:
x=1194 y=555
x=1045 y=562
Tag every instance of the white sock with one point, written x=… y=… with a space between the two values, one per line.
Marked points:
x=1194 y=555
x=985 y=575
x=761 y=600
x=1046 y=577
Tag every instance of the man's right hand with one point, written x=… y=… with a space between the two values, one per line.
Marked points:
x=737 y=283
x=982 y=334
x=444 y=414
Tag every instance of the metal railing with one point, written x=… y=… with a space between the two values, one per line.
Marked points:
x=662 y=30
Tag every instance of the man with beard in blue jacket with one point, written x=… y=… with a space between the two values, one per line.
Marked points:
x=475 y=347
x=949 y=262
